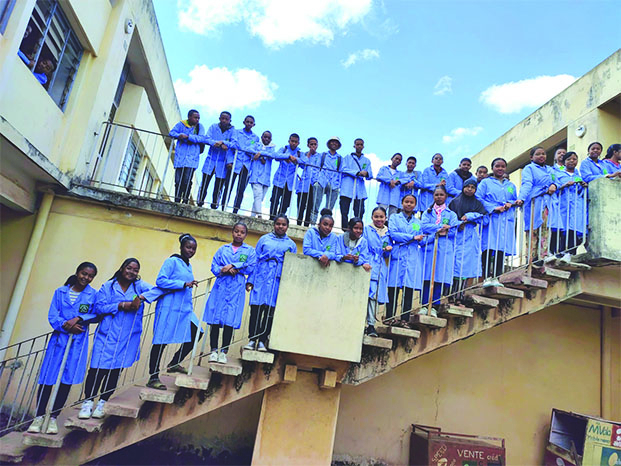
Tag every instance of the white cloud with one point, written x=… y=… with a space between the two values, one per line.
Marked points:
x=459 y=133
x=512 y=97
x=217 y=89
x=443 y=86
x=360 y=55
x=276 y=22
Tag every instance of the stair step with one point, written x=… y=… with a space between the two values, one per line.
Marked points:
x=86 y=425
x=551 y=274
x=519 y=279
x=397 y=331
x=480 y=302
x=377 y=342
x=257 y=356
x=12 y=448
x=232 y=367
x=500 y=292
x=47 y=440
x=427 y=321
x=571 y=267
x=125 y=404
x=454 y=310
x=199 y=380
x=161 y=396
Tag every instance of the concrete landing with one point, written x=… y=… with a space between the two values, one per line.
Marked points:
x=199 y=380
x=571 y=267
x=125 y=404
x=161 y=396
x=377 y=342
x=257 y=356
x=428 y=321
x=454 y=310
x=232 y=367
x=12 y=448
x=397 y=331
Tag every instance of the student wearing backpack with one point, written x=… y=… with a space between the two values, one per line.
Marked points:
x=284 y=178
x=328 y=177
x=356 y=168
x=187 y=153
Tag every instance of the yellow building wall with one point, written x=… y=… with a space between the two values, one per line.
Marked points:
x=503 y=382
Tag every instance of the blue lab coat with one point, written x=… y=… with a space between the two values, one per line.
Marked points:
x=361 y=249
x=536 y=180
x=387 y=195
x=265 y=276
x=455 y=184
x=445 y=257
x=285 y=174
x=217 y=159
x=416 y=177
x=174 y=309
x=330 y=174
x=608 y=167
x=316 y=246
x=309 y=166
x=405 y=257
x=429 y=180
x=571 y=202
x=247 y=144
x=377 y=259
x=260 y=173
x=187 y=151
x=591 y=170
x=353 y=186
x=117 y=339
x=468 y=247
x=225 y=305
x=61 y=310
x=499 y=233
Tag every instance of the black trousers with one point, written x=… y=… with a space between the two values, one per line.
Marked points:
x=305 y=204
x=260 y=326
x=493 y=263
x=564 y=241
x=43 y=397
x=344 y=203
x=280 y=201
x=406 y=304
x=226 y=187
x=214 y=335
x=106 y=379
x=242 y=184
x=157 y=352
x=183 y=184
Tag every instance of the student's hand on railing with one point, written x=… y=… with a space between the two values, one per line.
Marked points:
x=224 y=146
x=323 y=260
x=442 y=183
x=409 y=185
x=366 y=267
x=363 y=173
x=249 y=286
x=136 y=302
x=73 y=326
x=182 y=136
x=233 y=271
x=552 y=189
x=256 y=156
x=229 y=166
x=416 y=238
x=293 y=159
x=389 y=248
x=519 y=202
x=393 y=183
x=191 y=284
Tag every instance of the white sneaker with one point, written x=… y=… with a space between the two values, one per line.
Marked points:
x=423 y=311
x=99 y=409
x=222 y=358
x=213 y=356
x=549 y=259
x=488 y=283
x=35 y=427
x=52 y=427
x=86 y=410
x=261 y=346
x=566 y=259
x=433 y=313
x=251 y=346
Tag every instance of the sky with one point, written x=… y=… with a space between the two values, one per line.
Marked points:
x=408 y=76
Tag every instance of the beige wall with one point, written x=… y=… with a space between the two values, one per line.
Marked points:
x=503 y=382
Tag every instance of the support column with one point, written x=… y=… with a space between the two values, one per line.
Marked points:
x=611 y=363
x=297 y=423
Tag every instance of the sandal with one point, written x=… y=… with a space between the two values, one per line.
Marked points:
x=156 y=383
x=179 y=369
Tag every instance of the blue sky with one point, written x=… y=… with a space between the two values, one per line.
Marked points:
x=407 y=76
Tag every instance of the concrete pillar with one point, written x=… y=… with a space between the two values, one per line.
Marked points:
x=297 y=423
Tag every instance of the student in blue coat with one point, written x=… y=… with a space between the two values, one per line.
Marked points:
x=284 y=178
x=389 y=177
x=261 y=171
x=265 y=280
x=612 y=161
x=569 y=226
x=352 y=246
x=379 y=245
x=329 y=175
x=471 y=212
x=498 y=196
x=438 y=220
x=592 y=167
x=356 y=169
x=175 y=321
x=247 y=144
x=455 y=181
x=188 y=133
x=481 y=173
x=404 y=271
x=219 y=161
x=431 y=177
x=117 y=338
x=304 y=185
x=231 y=265
x=538 y=184
x=320 y=242
x=411 y=180
x=70 y=304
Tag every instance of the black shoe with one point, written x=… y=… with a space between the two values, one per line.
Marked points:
x=371 y=331
x=214 y=206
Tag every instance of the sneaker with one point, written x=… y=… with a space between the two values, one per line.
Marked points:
x=371 y=331
x=566 y=259
x=433 y=313
x=99 y=409
x=222 y=358
x=86 y=410
x=251 y=345
x=549 y=259
x=213 y=356
x=154 y=382
x=52 y=427
x=423 y=311
x=261 y=346
x=35 y=427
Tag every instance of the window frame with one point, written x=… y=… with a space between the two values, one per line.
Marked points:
x=5 y=14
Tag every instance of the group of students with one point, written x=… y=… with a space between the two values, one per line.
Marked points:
x=427 y=246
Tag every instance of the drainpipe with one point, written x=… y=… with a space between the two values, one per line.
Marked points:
x=24 y=272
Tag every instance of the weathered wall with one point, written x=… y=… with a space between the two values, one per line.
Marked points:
x=605 y=218
x=503 y=382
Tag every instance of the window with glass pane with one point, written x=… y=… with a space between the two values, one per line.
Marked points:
x=129 y=168
x=49 y=37
x=6 y=6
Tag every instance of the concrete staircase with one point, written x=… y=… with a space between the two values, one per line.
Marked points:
x=139 y=412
